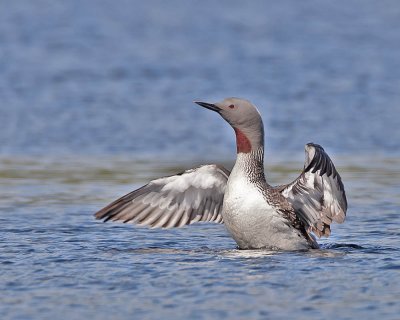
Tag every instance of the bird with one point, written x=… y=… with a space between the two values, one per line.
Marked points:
x=257 y=215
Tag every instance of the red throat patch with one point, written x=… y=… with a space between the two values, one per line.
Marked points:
x=242 y=142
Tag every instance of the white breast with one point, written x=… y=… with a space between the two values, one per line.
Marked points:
x=253 y=222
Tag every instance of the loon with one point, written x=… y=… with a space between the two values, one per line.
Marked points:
x=256 y=214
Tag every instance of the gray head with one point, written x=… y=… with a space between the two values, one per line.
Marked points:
x=244 y=118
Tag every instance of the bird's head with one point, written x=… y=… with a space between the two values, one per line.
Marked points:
x=244 y=118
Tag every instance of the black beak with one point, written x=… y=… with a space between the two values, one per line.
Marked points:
x=210 y=106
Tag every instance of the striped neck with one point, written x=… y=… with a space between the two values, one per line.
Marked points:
x=250 y=165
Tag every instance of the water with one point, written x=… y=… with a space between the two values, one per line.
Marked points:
x=56 y=260
x=78 y=76
x=95 y=100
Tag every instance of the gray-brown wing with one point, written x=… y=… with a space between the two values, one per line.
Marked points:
x=317 y=195
x=192 y=196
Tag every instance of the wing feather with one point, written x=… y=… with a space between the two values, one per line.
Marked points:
x=194 y=195
x=317 y=195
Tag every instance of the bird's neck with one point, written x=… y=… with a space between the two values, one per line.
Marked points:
x=249 y=139
x=250 y=155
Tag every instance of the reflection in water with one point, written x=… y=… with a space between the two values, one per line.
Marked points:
x=328 y=250
x=231 y=253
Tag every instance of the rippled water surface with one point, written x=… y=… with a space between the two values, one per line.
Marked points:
x=57 y=261
x=96 y=100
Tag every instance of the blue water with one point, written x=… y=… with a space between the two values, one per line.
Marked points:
x=96 y=100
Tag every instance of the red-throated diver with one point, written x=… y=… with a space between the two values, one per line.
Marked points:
x=256 y=214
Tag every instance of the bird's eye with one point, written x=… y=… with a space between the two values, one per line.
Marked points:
x=231 y=106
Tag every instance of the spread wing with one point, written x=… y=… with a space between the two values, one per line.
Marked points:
x=317 y=195
x=191 y=196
